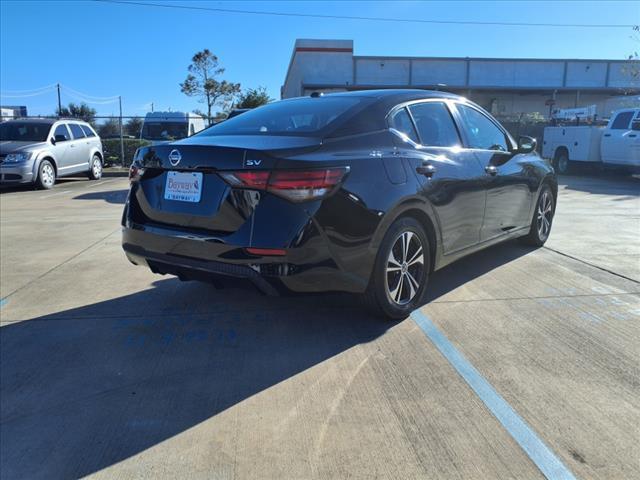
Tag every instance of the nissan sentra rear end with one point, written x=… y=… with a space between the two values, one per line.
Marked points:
x=239 y=201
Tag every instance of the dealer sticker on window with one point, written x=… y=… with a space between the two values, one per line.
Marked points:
x=183 y=186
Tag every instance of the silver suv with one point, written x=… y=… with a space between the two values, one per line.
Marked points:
x=39 y=150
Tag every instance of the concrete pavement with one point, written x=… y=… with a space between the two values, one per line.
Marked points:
x=110 y=371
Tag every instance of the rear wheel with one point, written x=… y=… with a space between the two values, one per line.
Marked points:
x=542 y=219
x=561 y=162
x=46 y=175
x=399 y=279
x=95 y=172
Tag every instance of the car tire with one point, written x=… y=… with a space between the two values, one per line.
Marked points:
x=403 y=256
x=561 y=163
x=542 y=218
x=46 y=175
x=95 y=169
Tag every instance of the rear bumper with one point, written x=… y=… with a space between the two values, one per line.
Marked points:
x=305 y=269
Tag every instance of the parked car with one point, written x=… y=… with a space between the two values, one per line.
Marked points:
x=363 y=192
x=39 y=150
x=615 y=146
x=164 y=127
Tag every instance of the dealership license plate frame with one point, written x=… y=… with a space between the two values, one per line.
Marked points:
x=191 y=195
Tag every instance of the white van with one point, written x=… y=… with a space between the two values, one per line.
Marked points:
x=163 y=127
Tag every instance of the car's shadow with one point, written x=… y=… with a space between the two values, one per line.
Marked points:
x=112 y=196
x=91 y=386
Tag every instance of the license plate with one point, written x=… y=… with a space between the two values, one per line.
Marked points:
x=183 y=186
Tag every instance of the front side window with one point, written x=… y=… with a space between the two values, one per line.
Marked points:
x=401 y=121
x=61 y=133
x=482 y=133
x=621 y=122
x=435 y=125
x=76 y=131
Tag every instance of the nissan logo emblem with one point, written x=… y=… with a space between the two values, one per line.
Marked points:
x=175 y=157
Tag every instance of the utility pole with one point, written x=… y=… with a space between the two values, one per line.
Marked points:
x=59 y=102
x=121 y=137
x=152 y=106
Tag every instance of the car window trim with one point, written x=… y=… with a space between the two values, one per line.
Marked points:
x=410 y=103
x=509 y=140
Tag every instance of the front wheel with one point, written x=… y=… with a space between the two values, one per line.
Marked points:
x=542 y=219
x=399 y=278
x=95 y=172
x=46 y=175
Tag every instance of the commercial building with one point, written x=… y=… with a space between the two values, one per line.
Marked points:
x=507 y=87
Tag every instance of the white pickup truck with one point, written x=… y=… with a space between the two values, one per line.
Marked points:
x=617 y=145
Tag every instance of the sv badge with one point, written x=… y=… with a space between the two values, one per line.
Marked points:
x=252 y=163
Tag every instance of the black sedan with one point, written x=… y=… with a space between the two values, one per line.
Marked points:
x=363 y=192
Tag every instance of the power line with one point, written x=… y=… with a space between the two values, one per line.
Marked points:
x=374 y=19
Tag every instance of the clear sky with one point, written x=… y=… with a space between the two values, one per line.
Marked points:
x=142 y=52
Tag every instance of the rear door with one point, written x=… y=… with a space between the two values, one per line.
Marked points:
x=619 y=142
x=450 y=176
x=79 y=149
x=506 y=176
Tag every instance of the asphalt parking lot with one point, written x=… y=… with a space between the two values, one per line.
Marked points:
x=110 y=371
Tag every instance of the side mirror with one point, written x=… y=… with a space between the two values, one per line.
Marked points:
x=59 y=138
x=526 y=144
x=53 y=141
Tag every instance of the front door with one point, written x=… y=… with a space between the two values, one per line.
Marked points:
x=451 y=177
x=619 y=142
x=61 y=148
x=507 y=180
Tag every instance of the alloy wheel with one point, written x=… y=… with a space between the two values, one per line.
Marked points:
x=405 y=266
x=97 y=168
x=545 y=215
x=48 y=175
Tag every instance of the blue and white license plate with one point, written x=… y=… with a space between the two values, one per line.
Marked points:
x=183 y=186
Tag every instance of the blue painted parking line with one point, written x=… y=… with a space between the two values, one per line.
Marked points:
x=550 y=465
x=3 y=301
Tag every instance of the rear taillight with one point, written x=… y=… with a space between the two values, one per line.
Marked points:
x=135 y=172
x=294 y=185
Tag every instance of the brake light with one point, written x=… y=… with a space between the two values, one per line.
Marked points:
x=294 y=185
x=135 y=172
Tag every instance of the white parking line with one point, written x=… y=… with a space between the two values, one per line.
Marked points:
x=57 y=193
x=546 y=461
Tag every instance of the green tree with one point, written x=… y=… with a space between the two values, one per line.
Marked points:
x=133 y=127
x=201 y=82
x=253 y=97
x=81 y=111
x=110 y=128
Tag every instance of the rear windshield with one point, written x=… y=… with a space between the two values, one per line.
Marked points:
x=300 y=116
x=24 y=131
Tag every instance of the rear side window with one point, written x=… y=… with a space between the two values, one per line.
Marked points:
x=87 y=131
x=481 y=131
x=401 y=121
x=435 y=125
x=300 y=116
x=62 y=131
x=621 y=122
x=76 y=130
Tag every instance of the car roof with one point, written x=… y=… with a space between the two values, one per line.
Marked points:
x=399 y=94
x=49 y=121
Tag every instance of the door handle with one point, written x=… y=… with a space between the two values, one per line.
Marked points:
x=426 y=169
x=491 y=170
x=632 y=135
x=72 y=146
x=607 y=135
